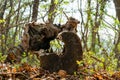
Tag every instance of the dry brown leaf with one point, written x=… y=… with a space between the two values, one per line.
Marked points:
x=62 y=73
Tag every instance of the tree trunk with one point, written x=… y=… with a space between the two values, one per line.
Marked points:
x=100 y=8
x=7 y=24
x=1 y=25
x=51 y=12
x=3 y=9
x=35 y=10
x=117 y=42
x=17 y=20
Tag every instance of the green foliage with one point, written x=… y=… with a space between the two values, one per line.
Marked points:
x=30 y=59
x=2 y=57
x=66 y=2
x=100 y=61
x=45 y=6
x=56 y=1
x=2 y=21
x=118 y=46
x=3 y=36
x=117 y=22
x=56 y=45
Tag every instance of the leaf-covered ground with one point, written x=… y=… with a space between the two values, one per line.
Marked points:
x=27 y=72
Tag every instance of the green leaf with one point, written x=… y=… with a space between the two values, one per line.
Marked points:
x=116 y=21
x=56 y=1
x=66 y=2
x=2 y=21
x=118 y=46
x=101 y=64
x=3 y=36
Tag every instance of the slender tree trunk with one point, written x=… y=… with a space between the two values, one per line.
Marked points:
x=84 y=29
x=30 y=13
x=3 y=9
x=7 y=24
x=100 y=8
x=17 y=20
x=117 y=42
x=1 y=26
x=95 y=28
x=35 y=10
x=51 y=12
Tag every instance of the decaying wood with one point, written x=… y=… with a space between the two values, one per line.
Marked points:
x=37 y=36
x=70 y=25
x=67 y=61
x=41 y=35
x=72 y=51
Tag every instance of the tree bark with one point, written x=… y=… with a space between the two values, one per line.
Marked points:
x=17 y=20
x=1 y=25
x=35 y=10
x=117 y=7
x=51 y=12
x=3 y=9
x=7 y=24
x=100 y=8
x=117 y=42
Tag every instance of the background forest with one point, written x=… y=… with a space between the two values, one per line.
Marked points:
x=99 y=27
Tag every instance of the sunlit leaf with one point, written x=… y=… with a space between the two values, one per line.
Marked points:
x=56 y=1
x=2 y=21
x=3 y=36
x=66 y=2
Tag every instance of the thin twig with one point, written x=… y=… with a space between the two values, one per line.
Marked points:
x=97 y=59
x=66 y=15
x=14 y=73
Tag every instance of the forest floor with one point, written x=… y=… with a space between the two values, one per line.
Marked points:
x=27 y=72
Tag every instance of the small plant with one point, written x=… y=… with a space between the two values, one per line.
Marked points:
x=2 y=57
